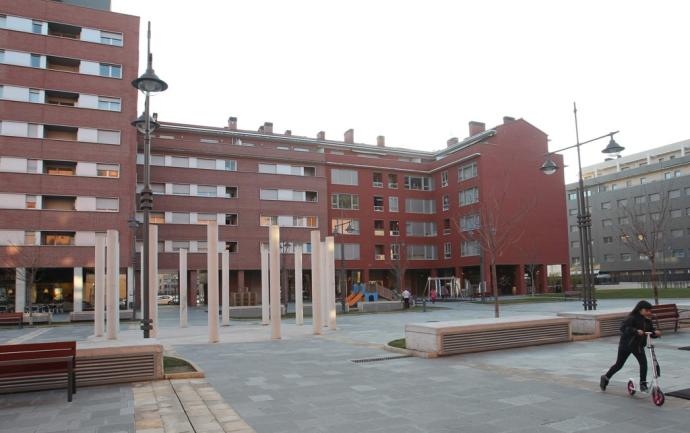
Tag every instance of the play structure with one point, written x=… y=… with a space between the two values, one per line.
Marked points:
x=447 y=288
x=370 y=291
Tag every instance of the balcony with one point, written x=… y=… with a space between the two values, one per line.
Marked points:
x=66 y=99
x=62 y=64
x=64 y=30
x=60 y=168
x=395 y=232
x=380 y=257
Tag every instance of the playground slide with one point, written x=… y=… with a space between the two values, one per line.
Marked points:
x=354 y=298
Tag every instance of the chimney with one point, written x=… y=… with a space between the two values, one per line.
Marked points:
x=261 y=129
x=381 y=141
x=508 y=119
x=288 y=132
x=476 y=128
x=268 y=127
x=350 y=136
x=232 y=123
x=321 y=135
x=452 y=141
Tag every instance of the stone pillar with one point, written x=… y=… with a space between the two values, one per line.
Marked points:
x=225 y=265
x=212 y=270
x=153 y=279
x=299 y=307
x=20 y=290
x=99 y=288
x=113 y=283
x=330 y=281
x=543 y=278
x=182 y=282
x=130 y=288
x=274 y=254
x=316 y=281
x=323 y=283
x=265 y=315
x=565 y=277
x=78 y=290
x=365 y=276
x=520 y=279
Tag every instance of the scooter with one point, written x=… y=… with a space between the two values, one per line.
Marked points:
x=654 y=389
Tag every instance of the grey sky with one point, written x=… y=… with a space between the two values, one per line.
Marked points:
x=417 y=72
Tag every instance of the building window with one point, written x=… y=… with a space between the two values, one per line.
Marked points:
x=57 y=238
x=575 y=244
x=180 y=189
x=201 y=246
x=30 y=202
x=676 y=213
x=179 y=161
x=575 y=261
x=606 y=205
x=471 y=222
x=107 y=170
x=420 y=228
x=392 y=204
x=109 y=38
x=639 y=199
x=622 y=202
x=572 y=196
x=109 y=104
x=654 y=197
x=29 y=238
x=351 y=251
x=467 y=171
x=112 y=71
x=35 y=61
x=655 y=216
x=444 y=179
x=446 y=203
x=156 y=218
x=379 y=252
x=180 y=245
x=345 y=201
x=573 y=229
x=414 y=205
x=377 y=181
x=608 y=239
x=393 y=181
x=394 y=228
x=606 y=223
x=419 y=183
x=678 y=254
x=623 y=220
x=207 y=191
x=572 y=212
x=378 y=204
x=343 y=177
x=179 y=218
x=609 y=258
x=34 y=95
x=107 y=204
x=674 y=193
x=205 y=218
x=37 y=27
x=447 y=250
x=602 y=188
x=421 y=252
x=626 y=257
x=231 y=192
x=446 y=226
x=677 y=233
x=231 y=219
x=379 y=228
x=230 y=165
x=32 y=165
x=469 y=248
x=340 y=226
x=395 y=251
x=469 y=196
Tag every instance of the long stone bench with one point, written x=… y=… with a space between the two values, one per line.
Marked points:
x=379 y=306
x=597 y=323
x=479 y=335
x=87 y=316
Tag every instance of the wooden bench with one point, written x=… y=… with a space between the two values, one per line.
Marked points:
x=12 y=319
x=22 y=364
x=666 y=316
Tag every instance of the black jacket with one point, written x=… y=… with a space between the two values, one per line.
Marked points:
x=630 y=339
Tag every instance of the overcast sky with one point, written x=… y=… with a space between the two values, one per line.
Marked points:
x=419 y=71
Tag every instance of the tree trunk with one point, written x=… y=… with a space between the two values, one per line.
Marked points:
x=655 y=289
x=494 y=283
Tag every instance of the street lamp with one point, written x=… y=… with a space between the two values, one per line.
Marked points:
x=343 y=278
x=133 y=225
x=584 y=219
x=147 y=83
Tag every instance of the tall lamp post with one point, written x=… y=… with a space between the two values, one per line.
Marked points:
x=584 y=219
x=343 y=279
x=147 y=83
x=134 y=225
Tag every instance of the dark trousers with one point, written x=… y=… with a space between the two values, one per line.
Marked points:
x=623 y=354
x=407 y=302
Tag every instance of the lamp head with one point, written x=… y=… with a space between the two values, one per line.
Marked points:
x=140 y=124
x=149 y=82
x=549 y=167
x=613 y=147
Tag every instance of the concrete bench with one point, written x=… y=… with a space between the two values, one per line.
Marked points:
x=597 y=323
x=87 y=316
x=467 y=336
x=379 y=306
x=38 y=318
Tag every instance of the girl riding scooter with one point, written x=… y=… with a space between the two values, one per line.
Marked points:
x=632 y=342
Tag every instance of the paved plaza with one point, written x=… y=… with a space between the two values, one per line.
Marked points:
x=306 y=383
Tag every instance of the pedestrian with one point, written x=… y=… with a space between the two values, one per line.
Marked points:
x=406 y=298
x=633 y=341
x=433 y=296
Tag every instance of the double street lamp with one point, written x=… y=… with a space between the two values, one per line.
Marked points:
x=147 y=83
x=338 y=228
x=584 y=218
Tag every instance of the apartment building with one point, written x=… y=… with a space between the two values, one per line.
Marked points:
x=651 y=187
x=67 y=149
x=387 y=207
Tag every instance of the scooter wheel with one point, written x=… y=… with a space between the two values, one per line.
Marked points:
x=658 y=396
x=631 y=388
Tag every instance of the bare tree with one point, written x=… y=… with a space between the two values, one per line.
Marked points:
x=497 y=231
x=399 y=267
x=641 y=226
x=27 y=257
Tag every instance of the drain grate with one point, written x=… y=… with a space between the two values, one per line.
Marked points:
x=379 y=358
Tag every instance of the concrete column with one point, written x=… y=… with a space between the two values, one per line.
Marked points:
x=193 y=288
x=113 y=283
x=520 y=279
x=153 y=279
x=565 y=277
x=274 y=253
x=330 y=281
x=240 y=280
x=543 y=278
x=212 y=269
x=19 y=290
x=130 y=287
x=299 y=307
x=323 y=283
x=182 y=281
x=78 y=291
x=225 y=265
x=316 y=281
x=265 y=315
x=99 y=289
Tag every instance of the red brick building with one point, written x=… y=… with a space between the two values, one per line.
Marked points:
x=67 y=149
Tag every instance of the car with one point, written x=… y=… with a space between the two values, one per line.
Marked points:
x=164 y=300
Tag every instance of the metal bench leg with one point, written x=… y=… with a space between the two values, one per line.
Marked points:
x=74 y=377
x=70 y=380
